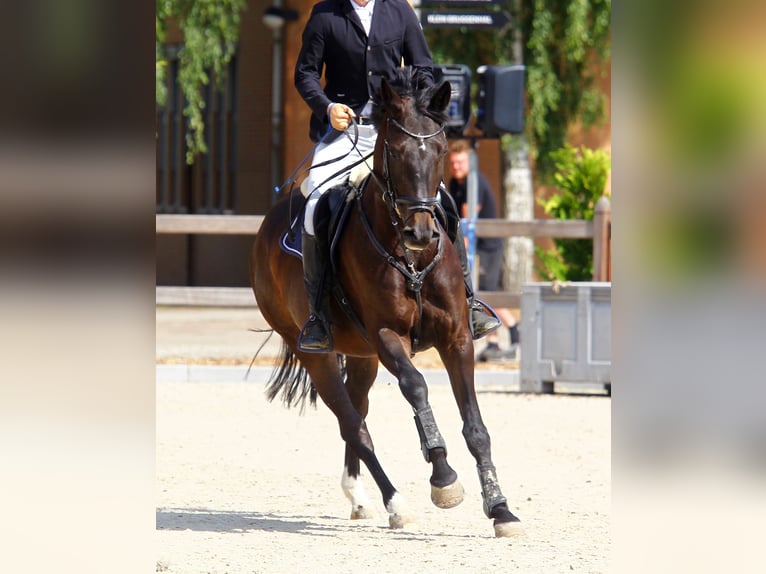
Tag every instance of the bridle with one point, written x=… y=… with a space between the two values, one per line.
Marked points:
x=397 y=204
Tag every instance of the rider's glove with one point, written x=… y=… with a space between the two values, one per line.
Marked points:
x=340 y=115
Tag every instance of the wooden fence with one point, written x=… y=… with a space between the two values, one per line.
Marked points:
x=600 y=230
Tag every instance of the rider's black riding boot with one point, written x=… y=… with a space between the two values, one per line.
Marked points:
x=481 y=323
x=315 y=336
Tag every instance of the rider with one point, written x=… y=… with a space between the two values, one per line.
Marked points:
x=355 y=43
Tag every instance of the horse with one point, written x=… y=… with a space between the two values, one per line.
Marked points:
x=399 y=290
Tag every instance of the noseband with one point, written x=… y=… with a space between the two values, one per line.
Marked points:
x=410 y=204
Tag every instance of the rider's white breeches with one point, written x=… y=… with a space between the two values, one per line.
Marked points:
x=323 y=178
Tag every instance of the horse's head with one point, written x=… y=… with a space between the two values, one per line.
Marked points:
x=410 y=150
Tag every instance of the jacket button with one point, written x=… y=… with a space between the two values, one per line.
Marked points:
x=369 y=73
x=368 y=48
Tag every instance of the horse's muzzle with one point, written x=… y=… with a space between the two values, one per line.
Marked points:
x=420 y=230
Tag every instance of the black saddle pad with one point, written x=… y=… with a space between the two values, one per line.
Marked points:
x=291 y=243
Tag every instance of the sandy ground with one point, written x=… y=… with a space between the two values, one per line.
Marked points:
x=247 y=486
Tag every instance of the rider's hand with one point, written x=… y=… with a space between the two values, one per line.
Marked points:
x=340 y=116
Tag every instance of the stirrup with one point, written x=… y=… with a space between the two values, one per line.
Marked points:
x=482 y=324
x=310 y=341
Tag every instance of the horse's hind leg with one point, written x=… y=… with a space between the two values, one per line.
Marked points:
x=360 y=374
x=446 y=490
x=325 y=374
x=459 y=364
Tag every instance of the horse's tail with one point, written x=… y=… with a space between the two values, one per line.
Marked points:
x=292 y=381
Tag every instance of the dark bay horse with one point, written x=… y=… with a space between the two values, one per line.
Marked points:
x=402 y=278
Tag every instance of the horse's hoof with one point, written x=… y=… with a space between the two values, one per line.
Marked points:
x=361 y=513
x=398 y=514
x=447 y=496
x=396 y=521
x=506 y=529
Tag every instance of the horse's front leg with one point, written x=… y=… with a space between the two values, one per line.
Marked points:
x=360 y=374
x=459 y=362
x=325 y=374
x=446 y=490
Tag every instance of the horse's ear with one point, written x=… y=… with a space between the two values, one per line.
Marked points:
x=388 y=95
x=440 y=99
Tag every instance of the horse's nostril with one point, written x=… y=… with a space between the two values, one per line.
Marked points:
x=417 y=238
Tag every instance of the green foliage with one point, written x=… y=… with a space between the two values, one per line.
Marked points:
x=211 y=30
x=565 y=45
x=581 y=176
x=562 y=36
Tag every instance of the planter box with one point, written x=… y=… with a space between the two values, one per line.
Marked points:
x=566 y=335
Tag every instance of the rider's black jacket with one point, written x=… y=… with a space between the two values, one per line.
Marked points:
x=334 y=40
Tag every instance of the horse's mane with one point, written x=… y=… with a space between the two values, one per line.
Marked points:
x=409 y=83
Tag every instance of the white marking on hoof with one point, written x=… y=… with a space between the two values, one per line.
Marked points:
x=447 y=496
x=361 y=513
x=353 y=488
x=398 y=513
x=506 y=529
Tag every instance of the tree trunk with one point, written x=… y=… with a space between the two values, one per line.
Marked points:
x=519 y=194
x=519 y=205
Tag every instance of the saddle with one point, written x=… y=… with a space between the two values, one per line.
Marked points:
x=330 y=216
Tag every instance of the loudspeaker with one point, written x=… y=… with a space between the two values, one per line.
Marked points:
x=500 y=100
x=459 y=77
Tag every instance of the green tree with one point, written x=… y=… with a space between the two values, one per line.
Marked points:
x=210 y=30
